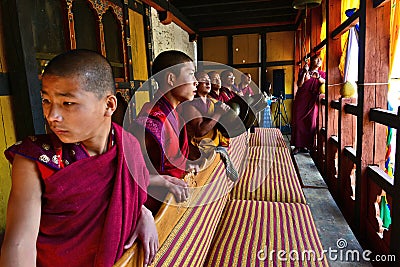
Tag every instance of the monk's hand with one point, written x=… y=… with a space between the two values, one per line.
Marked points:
x=178 y=187
x=146 y=231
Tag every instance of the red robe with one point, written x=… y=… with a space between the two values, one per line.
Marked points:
x=90 y=207
x=167 y=128
x=305 y=113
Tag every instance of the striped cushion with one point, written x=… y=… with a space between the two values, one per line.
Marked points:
x=270 y=175
x=252 y=232
x=267 y=137
x=190 y=240
x=238 y=150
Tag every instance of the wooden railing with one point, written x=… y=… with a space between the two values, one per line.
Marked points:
x=351 y=140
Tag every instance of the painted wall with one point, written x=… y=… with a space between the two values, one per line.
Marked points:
x=167 y=37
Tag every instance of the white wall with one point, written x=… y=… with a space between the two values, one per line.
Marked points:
x=170 y=37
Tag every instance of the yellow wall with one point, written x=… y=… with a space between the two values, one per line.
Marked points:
x=139 y=59
x=215 y=49
x=7 y=138
x=245 y=48
x=138 y=46
x=280 y=46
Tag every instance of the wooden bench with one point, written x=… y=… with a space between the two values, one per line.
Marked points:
x=213 y=229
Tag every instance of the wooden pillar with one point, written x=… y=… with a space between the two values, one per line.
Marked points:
x=263 y=48
x=321 y=136
x=372 y=92
x=346 y=138
x=334 y=80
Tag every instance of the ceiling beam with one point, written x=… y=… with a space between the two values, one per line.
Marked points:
x=177 y=17
x=212 y=3
x=246 y=29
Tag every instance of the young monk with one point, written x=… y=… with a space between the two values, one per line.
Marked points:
x=74 y=201
x=164 y=133
x=202 y=115
x=217 y=91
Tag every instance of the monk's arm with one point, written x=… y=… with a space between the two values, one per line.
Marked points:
x=23 y=215
x=202 y=125
x=151 y=154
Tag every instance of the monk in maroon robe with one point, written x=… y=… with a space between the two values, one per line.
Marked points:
x=77 y=193
x=305 y=106
x=161 y=129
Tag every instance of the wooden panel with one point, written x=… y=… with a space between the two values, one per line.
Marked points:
x=280 y=46
x=215 y=49
x=245 y=48
x=7 y=138
x=138 y=46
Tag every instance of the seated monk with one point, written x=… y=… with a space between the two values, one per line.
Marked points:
x=159 y=125
x=73 y=200
x=217 y=92
x=202 y=115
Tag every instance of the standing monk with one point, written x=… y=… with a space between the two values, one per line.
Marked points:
x=305 y=105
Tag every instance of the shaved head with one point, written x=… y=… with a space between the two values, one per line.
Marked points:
x=89 y=67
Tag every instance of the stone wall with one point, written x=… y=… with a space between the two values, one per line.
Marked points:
x=168 y=37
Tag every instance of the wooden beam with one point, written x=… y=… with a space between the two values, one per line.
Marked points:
x=346 y=25
x=350 y=152
x=385 y=117
x=176 y=16
x=381 y=178
x=352 y=109
x=245 y=29
x=247 y=26
x=335 y=104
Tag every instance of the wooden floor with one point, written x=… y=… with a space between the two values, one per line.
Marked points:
x=330 y=223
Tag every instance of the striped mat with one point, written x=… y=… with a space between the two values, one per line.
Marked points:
x=238 y=151
x=190 y=240
x=269 y=175
x=253 y=232
x=267 y=137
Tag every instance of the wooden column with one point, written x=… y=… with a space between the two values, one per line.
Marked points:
x=346 y=138
x=321 y=136
x=333 y=80
x=372 y=92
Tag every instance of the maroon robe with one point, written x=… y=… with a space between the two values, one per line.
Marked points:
x=89 y=208
x=305 y=113
x=164 y=124
x=224 y=94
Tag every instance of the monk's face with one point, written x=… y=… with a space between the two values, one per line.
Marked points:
x=185 y=84
x=215 y=81
x=229 y=79
x=74 y=114
x=204 y=86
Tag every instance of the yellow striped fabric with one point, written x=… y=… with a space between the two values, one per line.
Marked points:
x=269 y=175
x=190 y=240
x=267 y=137
x=238 y=151
x=260 y=233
